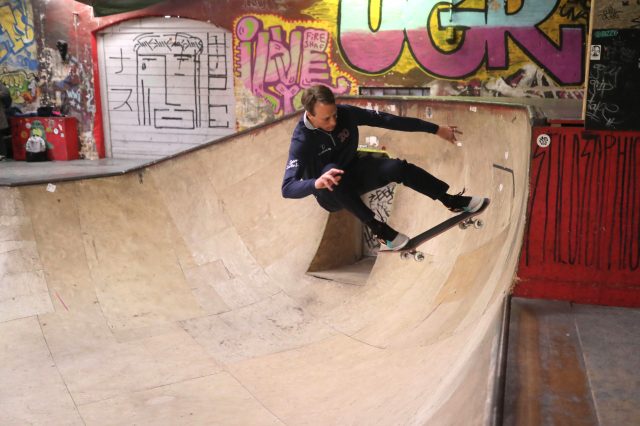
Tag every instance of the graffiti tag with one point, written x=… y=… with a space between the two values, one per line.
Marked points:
x=602 y=79
x=380 y=201
x=583 y=208
x=277 y=69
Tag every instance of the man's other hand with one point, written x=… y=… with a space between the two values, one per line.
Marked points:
x=329 y=179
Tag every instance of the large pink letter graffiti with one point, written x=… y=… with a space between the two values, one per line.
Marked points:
x=485 y=37
x=276 y=70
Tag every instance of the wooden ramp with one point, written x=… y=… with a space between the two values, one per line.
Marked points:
x=178 y=294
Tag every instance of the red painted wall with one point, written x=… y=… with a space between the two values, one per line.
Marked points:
x=583 y=219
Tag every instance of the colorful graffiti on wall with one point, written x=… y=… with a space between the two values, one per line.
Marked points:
x=458 y=40
x=21 y=84
x=17 y=38
x=277 y=59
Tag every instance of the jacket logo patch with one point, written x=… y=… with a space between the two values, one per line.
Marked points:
x=343 y=135
x=292 y=164
x=324 y=149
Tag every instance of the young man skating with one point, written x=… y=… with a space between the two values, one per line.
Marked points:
x=323 y=162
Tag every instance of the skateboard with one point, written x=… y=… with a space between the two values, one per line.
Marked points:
x=464 y=220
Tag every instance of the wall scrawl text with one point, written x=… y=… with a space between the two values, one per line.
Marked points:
x=276 y=60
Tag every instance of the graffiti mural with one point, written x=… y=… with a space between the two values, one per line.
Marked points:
x=160 y=80
x=154 y=54
x=464 y=39
x=66 y=85
x=17 y=38
x=276 y=48
x=21 y=84
x=166 y=90
x=275 y=60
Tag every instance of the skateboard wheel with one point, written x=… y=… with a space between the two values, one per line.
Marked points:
x=419 y=257
x=478 y=223
x=405 y=255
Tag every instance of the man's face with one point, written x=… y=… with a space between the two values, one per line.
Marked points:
x=324 y=116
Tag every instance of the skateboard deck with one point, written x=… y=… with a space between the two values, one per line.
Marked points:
x=464 y=220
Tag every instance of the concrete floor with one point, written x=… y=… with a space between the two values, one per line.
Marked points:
x=572 y=364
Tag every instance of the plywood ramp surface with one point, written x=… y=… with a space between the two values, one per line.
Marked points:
x=179 y=295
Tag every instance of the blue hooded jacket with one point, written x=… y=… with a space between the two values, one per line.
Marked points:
x=312 y=148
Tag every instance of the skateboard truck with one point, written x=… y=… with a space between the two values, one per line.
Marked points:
x=472 y=221
x=418 y=256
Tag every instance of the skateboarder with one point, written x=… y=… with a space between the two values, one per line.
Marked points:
x=323 y=162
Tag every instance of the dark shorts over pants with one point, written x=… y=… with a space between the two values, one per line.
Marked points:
x=368 y=173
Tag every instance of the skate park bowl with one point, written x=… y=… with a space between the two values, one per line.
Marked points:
x=178 y=293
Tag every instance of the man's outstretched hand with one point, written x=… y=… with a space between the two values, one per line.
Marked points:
x=329 y=179
x=449 y=133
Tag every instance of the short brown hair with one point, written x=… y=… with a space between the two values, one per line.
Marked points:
x=317 y=93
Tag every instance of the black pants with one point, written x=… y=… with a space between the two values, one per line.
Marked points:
x=368 y=173
x=6 y=150
x=36 y=156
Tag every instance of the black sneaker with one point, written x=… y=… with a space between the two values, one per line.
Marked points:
x=391 y=238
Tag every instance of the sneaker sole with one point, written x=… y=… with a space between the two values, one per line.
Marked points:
x=474 y=205
x=401 y=246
